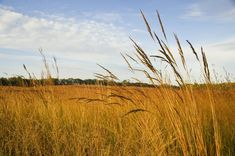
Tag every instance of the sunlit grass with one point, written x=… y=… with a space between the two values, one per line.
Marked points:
x=122 y=120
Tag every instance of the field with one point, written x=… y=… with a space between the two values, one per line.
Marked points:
x=117 y=120
x=172 y=115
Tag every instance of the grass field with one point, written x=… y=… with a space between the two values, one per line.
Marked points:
x=161 y=119
x=101 y=120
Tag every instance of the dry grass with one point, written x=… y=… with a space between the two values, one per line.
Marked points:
x=119 y=120
x=62 y=121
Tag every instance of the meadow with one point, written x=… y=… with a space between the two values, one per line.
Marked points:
x=103 y=120
x=162 y=119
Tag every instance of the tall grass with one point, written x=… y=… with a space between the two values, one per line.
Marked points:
x=119 y=120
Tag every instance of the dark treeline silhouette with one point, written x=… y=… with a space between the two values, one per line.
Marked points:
x=21 y=81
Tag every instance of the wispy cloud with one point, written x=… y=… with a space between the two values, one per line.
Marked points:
x=222 y=55
x=107 y=17
x=193 y=11
x=217 y=10
x=225 y=46
x=69 y=38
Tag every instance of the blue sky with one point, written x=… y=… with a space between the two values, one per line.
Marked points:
x=82 y=33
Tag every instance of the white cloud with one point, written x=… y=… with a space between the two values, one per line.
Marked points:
x=222 y=52
x=104 y=17
x=69 y=38
x=193 y=11
x=228 y=45
x=219 y=10
x=228 y=15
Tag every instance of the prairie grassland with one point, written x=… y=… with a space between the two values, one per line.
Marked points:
x=92 y=120
x=120 y=120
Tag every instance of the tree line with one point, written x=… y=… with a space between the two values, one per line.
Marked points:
x=21 y=81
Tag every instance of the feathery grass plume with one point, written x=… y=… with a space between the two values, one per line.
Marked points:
x=147 y=25
x=160 y=57
x=31 y=78
x=152 y=79
x=194 y=51
x=110 y=73
x=132 y=58
x=45 y=63
x=135 y=111
x=103 y=77
x=57 y=68
x=124 y=98
x=129 y=65
x=179 y=78
x=143 y=57
x=94 y=100
x=206 y=67
x=47 y=79
x=159 y=42
x=169 y=57
x=25 y=68
x=180 y=51
x=162 y=27
x=87 y=100
x=169 y=52
x=227 y=76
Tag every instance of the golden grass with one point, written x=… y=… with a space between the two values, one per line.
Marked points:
x=118 y=120
x=62 y=121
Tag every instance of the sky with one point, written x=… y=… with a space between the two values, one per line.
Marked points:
x=81 y=34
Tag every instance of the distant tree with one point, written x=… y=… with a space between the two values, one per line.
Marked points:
x=4 y=82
